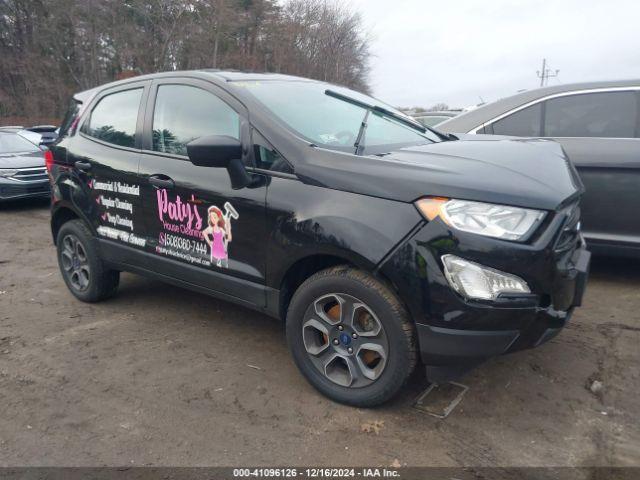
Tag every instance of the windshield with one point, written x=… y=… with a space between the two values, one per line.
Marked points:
x=432 y=120
x=332 y=122
x=13 y=143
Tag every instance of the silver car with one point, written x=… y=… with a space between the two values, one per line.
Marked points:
x=22 y=168
x=598 y=125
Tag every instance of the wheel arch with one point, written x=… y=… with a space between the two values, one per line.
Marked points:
x=59 y=217
x=299 y=271
x=305 y=267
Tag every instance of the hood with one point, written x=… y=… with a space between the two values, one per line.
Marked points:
x=530 y=173
x=22 y=160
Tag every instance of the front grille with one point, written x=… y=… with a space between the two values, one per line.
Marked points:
x=36 y=174
x=26 y=189
x=570 y=236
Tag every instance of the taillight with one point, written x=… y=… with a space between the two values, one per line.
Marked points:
x=48 y=160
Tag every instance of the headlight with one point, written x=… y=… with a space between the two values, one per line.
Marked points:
x=7 y=172
x=473 y=280
x=499 y=221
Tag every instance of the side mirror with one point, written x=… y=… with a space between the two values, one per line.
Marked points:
x=220 y=151
x=214 y=151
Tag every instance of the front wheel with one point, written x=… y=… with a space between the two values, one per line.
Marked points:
x=351 y=336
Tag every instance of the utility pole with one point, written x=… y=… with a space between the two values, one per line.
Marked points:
x=545 y=73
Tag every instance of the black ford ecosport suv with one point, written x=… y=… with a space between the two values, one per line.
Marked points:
x=378 y=241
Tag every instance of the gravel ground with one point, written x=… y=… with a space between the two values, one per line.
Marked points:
x=163 y=376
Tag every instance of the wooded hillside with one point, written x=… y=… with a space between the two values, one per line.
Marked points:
x=52 y=48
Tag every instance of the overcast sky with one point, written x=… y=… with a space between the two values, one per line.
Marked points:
x=459 y=51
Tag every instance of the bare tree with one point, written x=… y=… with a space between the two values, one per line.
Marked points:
x=51 y=48
x=438 y=107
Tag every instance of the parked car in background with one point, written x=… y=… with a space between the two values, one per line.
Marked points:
x=598 y=125
x=33 y=137
x=43 y=135
x=22 y=167
x=376 y=240
x=48 y=133
x=431 y=119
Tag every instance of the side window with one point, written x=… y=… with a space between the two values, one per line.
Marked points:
x=184 y=113
x=525 y=123
x=114 y=118
x=607 y=114
x=267 y=157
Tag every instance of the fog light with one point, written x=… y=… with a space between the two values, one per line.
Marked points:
x=475 y=281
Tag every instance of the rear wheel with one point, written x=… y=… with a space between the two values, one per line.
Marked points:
x=82 y=269
x=351 y=336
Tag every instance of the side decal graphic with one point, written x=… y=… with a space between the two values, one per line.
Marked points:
x=218 y=233
x=183 y=213
x=180 y=218
x=115 y=201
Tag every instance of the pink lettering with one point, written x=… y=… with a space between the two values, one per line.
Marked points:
x=198 y=217
x=179 y=211
x=162 y=203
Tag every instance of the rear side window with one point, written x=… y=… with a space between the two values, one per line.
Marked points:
x=525 y=123
x=72 y=113
x=114 y=118
x=607 y=114
x=184 y=113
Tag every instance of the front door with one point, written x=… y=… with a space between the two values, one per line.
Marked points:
x=201 y=230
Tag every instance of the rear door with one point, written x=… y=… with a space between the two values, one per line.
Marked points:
x=199 y=229
x=105 y=155
x=599 y=131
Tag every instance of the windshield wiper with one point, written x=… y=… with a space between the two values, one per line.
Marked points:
x=387 y=113
x=359 y=143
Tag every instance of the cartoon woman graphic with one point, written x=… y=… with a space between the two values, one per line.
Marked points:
x=218 y=235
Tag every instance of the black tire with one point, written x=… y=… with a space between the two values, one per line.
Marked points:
x=388 y=310
x=98 y=282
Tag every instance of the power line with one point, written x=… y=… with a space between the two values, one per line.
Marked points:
x=545 y=73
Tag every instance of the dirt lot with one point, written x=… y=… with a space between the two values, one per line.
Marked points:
x=161 y=376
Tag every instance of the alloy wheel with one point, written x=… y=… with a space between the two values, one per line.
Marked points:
x=75 y=262
x=345 y=340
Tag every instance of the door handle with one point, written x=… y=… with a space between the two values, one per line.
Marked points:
x=84 y=166
x=161 y=181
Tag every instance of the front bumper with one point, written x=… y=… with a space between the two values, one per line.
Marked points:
x=449 y=346
x=13 y=189
x=454 y=331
